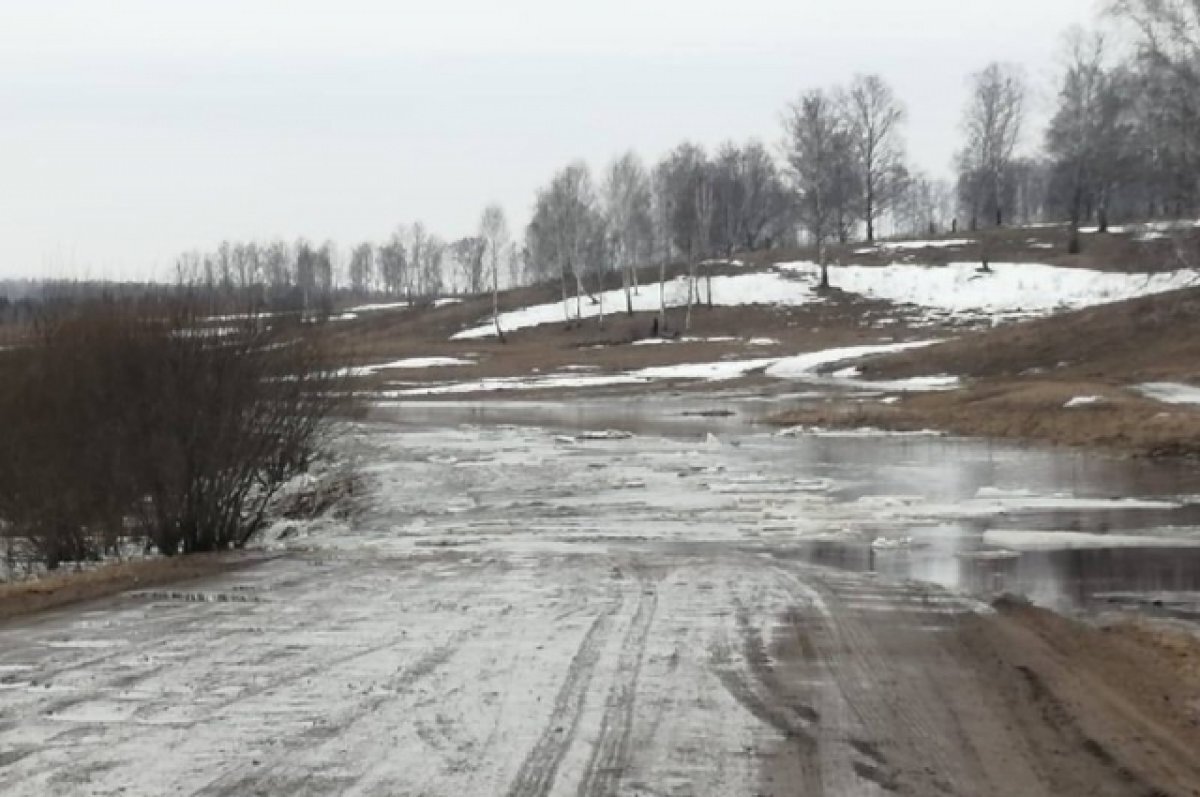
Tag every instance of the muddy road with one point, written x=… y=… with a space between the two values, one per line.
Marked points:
x=517 y=611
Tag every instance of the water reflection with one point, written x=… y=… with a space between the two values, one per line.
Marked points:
x=951 y=478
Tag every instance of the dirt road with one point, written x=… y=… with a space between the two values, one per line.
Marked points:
x=511 y=613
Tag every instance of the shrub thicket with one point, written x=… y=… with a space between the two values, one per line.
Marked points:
x=145 y=422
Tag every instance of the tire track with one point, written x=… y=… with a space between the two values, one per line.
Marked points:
x=611 y=753
x=760 y=689
x=855 y=652
x=538 y=771
x=269 y=780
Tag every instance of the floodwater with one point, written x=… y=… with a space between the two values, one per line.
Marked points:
x=1067 y=529
x=509 y=607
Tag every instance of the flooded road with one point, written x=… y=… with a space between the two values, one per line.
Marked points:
x=1066 y=529
x=513 y=607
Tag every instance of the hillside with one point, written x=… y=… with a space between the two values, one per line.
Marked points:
x=1009 y=348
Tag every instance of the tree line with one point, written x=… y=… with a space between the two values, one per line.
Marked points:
x=1123 y=142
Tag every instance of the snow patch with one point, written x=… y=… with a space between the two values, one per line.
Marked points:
x=1084 y=401
x=1008 y=290
x=409 y=362
x=370 y=308
x=769 y=288
x=1170 y=392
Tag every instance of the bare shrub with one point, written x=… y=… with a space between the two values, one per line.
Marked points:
x=143 y=421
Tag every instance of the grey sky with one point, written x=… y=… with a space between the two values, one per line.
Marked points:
x=131 y=130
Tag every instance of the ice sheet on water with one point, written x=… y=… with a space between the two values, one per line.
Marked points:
x=1061 y=540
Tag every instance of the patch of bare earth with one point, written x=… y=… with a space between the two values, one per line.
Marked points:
x=70 y=586
x=1022 y=702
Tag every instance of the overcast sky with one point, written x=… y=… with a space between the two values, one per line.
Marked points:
x=131 y=130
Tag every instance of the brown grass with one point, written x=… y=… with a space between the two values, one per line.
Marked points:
x=61 y=589
x=1024 y=410
x=1147 y=339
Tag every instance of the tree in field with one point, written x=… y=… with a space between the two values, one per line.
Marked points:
x=684 y=190
x=992 y=124
x=875 y=117
x=627 y=207
x=306 y=273
x=705 y=212
x=323 y=272
x=517 y=258
x=819 y=146
x=1087 y=136
x=750 y=200
x=432 y=279
x=1165 y=94
x=679 y=176
x=924 y=206
x=392 y=262
x=660 y=214
x=467 y=254
x=362 y=269
x=562 y=228
x=764 y=200
x=417 y=237
x=493 y=231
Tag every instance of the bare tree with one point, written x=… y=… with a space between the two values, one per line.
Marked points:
x=468 y=255
x=432 y=275
x=561 y=230
x=392 y=262
x=925 y=206
x=681 y=183
x=493 y=231
x=417 y=236
x=627 y=205
x=1166 y=102
x=818 y=146
x=876 y=116
x=362 y=268
x=516 y=264
x=992 y=124
x=705 y=209
x=1086 y=138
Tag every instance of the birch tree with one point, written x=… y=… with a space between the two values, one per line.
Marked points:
x=392 y=262
x=817 y=146
x=627 y=207
x=1086 y=137
x=992 y=124
x=875 y=118
x=561 y=228
x=493 y=231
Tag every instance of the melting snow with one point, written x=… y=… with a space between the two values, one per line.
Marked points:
x=368 y=308
x=899 y=246
x=1009 y=289
x=799 y=367
x=803 y=366
x=660 y=341
x=727 y=291
x=1170 y=392
x=410 y=362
